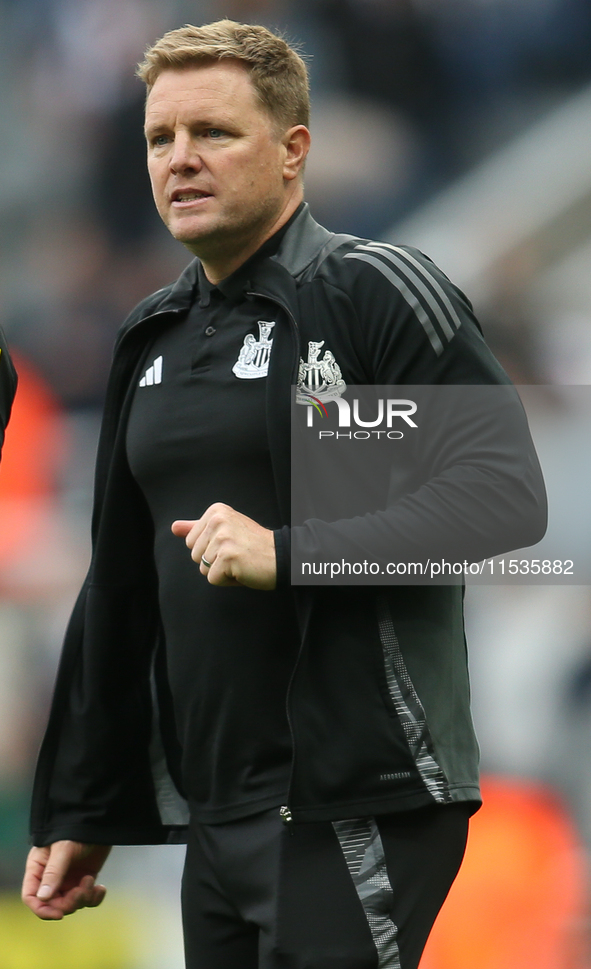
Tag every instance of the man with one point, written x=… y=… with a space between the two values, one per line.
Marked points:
x=7 y=386
x=321 y=737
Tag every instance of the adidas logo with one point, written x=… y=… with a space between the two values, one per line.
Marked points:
x=153 y=374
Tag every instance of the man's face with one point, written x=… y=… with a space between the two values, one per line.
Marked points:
x=215 y=161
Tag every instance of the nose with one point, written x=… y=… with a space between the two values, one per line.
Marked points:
x=184 y=156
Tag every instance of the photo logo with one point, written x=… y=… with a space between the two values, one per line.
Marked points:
x=306 y=398
x=380 y=418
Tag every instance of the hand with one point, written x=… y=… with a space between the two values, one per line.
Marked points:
x=60 y=878
x=240 y=550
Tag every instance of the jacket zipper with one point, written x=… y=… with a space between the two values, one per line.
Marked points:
x=285 y=810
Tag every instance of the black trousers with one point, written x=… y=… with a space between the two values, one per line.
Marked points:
x=358 y=894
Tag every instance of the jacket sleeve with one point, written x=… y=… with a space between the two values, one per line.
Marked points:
x=473 y=487
x=101 y=772
x=8 y=381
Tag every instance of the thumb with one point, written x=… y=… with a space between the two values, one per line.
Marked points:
x=181 y=528
x=58 y=864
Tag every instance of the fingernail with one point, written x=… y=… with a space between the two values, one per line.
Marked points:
x=44 y=892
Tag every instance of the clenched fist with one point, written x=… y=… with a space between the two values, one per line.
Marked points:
x=230 y=548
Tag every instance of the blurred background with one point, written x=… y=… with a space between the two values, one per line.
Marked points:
x=460 y=126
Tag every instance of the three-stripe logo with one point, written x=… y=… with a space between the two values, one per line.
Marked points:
x=153 y=374
x=417 y=285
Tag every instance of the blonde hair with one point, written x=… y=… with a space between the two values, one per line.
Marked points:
x=279 y=75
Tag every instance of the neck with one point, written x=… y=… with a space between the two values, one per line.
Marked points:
x=218 y=266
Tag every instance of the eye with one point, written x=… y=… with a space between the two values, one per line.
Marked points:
x=215 y=133
x=156 y=141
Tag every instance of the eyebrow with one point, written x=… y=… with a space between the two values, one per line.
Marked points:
x=157 y=125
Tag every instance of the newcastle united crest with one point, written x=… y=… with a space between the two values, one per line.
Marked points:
x=253 y=359
x=319 y=378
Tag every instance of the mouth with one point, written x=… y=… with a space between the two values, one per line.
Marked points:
x=189 y=195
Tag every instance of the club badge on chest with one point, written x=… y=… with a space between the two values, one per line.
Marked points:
x=253 y=359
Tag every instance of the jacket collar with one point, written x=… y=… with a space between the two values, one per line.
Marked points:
x=300 y=247
x=302 y=243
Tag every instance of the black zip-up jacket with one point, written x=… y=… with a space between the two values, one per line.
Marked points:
x=8 y=381
x=379 y=698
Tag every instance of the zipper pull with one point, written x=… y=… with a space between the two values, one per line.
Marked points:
x=286 y=816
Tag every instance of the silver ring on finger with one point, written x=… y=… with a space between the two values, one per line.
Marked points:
x=205 y=562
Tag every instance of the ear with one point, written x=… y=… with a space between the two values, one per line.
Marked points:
x=296 y=142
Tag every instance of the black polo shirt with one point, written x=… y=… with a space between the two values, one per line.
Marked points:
x=196 y=435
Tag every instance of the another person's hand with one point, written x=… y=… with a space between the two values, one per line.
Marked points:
x=239 y=550
x=60 y=878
